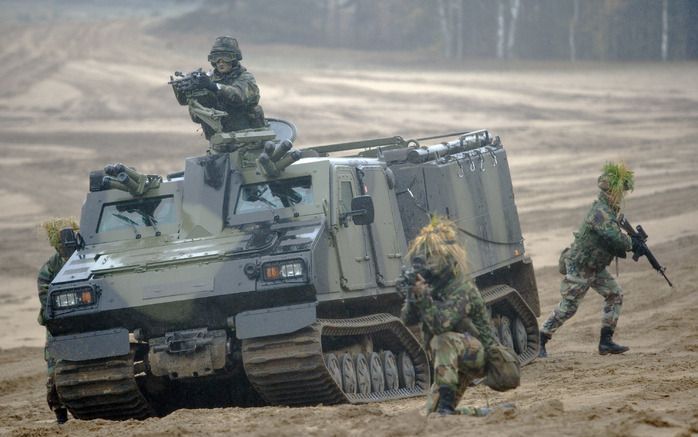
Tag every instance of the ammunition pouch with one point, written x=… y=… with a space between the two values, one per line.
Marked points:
x=503 y=370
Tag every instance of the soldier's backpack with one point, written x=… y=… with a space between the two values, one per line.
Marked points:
x=503 y=370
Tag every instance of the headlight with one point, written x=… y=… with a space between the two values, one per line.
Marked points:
x=73 y=297
x=284 y=270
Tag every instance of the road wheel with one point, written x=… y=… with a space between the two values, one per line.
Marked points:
x=375 y=368
x=363 y=376
x=348 y=374
x=392 y=379
x=406 y=371
x=520 y=336
x=332 y=364
x=505 y=335
x=494 y=326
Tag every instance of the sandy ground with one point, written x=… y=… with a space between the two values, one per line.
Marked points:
x=76 y=96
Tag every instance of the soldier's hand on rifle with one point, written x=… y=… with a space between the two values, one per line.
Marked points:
x=638 y=246
x=420 y=286
x=206 y=83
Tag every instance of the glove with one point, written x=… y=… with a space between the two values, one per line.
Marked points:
x=638 y=247
x=206 y=83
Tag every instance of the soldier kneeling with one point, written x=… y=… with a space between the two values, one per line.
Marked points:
x=455 y=322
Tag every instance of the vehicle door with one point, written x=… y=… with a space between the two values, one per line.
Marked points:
x=386 y=233
x=352 y=244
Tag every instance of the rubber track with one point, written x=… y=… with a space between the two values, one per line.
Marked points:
x=101 y=389
x=498 y=293
x=290 y=369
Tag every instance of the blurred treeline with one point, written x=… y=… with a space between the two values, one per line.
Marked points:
x=459 y=29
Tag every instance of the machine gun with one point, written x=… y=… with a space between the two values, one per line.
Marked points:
x=409 y=276
x=190 y=85
x=639 y=237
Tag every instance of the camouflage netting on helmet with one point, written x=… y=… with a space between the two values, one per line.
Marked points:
x=615 y=180
x=438 y=244
x=53 y=228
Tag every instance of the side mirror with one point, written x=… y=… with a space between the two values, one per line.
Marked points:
x=70 y=242
x=362 y=212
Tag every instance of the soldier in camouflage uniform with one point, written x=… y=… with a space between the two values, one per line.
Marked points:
x=597 y=242
x=453 y=317
x=232 y=88
x=46 y=274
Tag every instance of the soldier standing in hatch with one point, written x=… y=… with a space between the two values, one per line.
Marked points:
x=233 y=89
x=453 y=316
x=46 y=274
x=597 y=242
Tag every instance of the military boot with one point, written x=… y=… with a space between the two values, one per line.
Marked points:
x=447 y=400
x=606 y=344
x=544 y=338
x=61 y=415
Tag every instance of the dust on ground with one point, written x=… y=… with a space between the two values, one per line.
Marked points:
x=78 y=95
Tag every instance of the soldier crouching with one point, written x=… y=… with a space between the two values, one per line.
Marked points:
x=454 y=320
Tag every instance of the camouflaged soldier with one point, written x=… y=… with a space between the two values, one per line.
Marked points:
x=597 y=242
x=233 y=89
x=46 y=274
x=453 y=317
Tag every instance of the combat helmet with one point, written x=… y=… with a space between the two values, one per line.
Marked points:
x=615 y=180
x=226 y=47
x=437 y=243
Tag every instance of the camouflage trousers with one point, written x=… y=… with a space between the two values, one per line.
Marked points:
x=458 y=360
x=51 y=393
x=574 y=287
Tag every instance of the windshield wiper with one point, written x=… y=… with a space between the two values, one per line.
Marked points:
x=153 y=222
x=129 y=222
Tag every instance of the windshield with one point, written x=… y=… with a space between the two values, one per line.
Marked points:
x=274 y=194
x=152 y=211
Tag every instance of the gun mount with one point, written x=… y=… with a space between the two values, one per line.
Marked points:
x=124 y=178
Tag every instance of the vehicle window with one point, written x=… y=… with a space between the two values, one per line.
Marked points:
x=150 y=211
x=345 y=196
x=275 y=194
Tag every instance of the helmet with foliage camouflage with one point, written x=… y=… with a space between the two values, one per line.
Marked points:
x=437 y=242
x=615 y=180
x=225 y=47
x=53 y=229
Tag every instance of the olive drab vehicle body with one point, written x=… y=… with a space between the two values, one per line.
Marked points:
x=263 y=274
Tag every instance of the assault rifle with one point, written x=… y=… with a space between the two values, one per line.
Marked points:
x=639 y=237
x=190 y=84
x=409 y=277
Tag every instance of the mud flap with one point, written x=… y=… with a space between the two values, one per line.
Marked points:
x=274 y=321
x=89 y=345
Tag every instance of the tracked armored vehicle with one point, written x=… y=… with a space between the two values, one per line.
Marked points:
x=263 y=274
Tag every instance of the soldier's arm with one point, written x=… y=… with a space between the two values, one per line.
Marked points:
x=442 y=315
x=409 y=313
x=43 y=280
x=480 y=317
x=617 y=242
x=243 y=92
